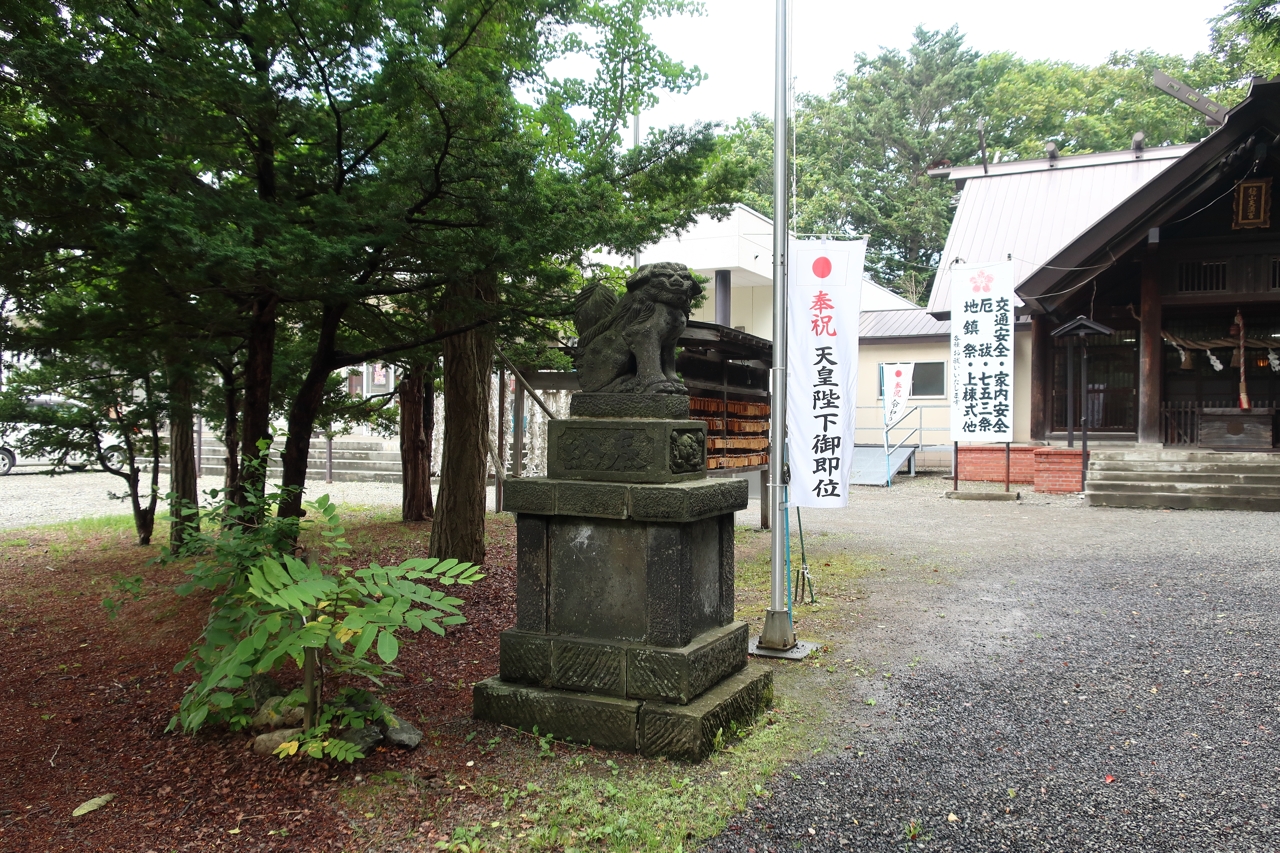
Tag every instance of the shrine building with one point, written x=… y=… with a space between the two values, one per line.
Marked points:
x=1173 y=249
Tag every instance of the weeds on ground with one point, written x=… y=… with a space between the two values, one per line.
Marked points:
x=581 y=801
x=913 y=830
x=572 y=799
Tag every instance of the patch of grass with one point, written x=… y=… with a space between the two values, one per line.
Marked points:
x=538 y=796
x=834 y=570
x=587 y=802
x=98 y=525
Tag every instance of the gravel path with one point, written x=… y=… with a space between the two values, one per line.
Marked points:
x=1069 y=679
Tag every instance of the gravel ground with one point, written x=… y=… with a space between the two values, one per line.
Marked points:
x=1068 y=678
x=1071 y=678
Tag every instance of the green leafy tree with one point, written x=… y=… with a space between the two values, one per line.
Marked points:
x=863 y=151
x=1246 y=37
x=109 y=366
x=358 y=177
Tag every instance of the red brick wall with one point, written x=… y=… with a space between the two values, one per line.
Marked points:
x=1051 y=469
x=986 y=463
x=1057 y=469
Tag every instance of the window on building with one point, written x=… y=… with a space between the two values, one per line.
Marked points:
x=1197 y=276
x=928 y=380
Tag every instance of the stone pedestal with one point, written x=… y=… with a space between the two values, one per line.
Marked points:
x=624 y=635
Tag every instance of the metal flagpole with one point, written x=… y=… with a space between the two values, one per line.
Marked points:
x=635 y=143
x=778 y=631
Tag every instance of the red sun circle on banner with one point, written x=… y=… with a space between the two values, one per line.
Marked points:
x=822 y=267
x=897 y=374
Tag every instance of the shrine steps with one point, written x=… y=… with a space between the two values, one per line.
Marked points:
x=1184 y=479
x=354 y=460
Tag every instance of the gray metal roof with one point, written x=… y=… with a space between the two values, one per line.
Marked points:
x=1070 y=161
x=1031 y=215
x=905 y=323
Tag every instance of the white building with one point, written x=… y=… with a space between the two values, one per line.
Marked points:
x=736 y=255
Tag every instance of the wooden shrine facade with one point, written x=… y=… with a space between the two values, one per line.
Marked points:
x=1175 y=270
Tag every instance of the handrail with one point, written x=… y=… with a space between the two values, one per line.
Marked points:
x=888 y=454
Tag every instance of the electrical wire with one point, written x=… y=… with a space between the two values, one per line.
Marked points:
x=1109 y=263
x=1229 y=191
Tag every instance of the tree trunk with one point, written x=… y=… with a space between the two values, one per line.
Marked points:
x=231 y=437
x=302 y=415
x=182 y=459
x=458 y=528
x=146 y=520
x=429 y=428
x=255 y=423
x=415 y=449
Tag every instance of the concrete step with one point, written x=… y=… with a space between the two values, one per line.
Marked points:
x=1138 y=468
x=1169 y=500
x=1252 y=458
x=1224 y=489
x=315 y=475
x=371 y=444
x=1198 y=476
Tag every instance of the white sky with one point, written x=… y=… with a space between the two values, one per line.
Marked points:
x=733 y=41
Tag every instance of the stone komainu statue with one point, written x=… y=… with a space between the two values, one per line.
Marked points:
x=628 y=345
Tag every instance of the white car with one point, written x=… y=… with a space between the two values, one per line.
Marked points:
x=10 y=458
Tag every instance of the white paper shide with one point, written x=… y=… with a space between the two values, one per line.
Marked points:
x=982 y=304
x=823 y=300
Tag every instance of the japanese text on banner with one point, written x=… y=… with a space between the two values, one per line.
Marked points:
x=982 y=317
x=895 y=380
x=824 y=294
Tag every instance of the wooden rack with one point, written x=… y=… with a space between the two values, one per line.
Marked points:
x=737 y=431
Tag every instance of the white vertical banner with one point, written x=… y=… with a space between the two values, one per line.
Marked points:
x=895 y=380
x=824 y=293
x=982 y=320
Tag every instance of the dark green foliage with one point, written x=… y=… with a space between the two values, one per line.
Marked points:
x=276 y=602
x=270 y=192
x=863 y=150
x=109 y=415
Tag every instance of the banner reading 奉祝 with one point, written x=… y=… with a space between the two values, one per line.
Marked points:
x=896 y=383
x=824 y=296
x=982 y=352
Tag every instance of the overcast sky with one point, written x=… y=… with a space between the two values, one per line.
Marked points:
x=733 y=41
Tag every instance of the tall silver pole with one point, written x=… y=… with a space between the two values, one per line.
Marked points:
x=635 y=143
x=778 y=632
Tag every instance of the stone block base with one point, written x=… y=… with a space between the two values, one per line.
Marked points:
x=626 y=670
x=687 y=732
x=601 y=721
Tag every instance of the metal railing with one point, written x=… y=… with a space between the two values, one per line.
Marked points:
x=918 y=431
x=1180 y=419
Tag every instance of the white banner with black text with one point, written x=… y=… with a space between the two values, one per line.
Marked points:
x=823 y=300
x=982 y=320
x=895 y=382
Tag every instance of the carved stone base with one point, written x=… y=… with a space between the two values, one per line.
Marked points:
x=676 y=502
x=628 y=451
x=686 y=732
x=625 y=670
x=667 y=407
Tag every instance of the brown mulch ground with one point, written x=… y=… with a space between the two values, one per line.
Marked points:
x=84 y=703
